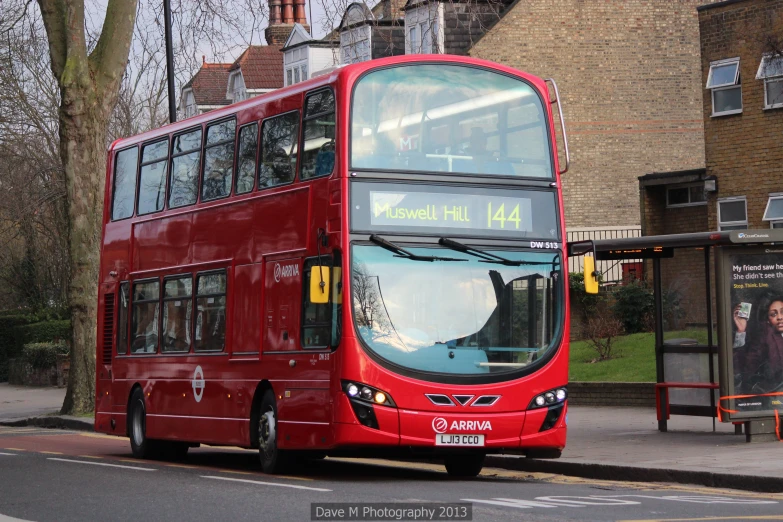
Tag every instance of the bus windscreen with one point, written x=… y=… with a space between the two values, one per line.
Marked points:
x=449 y=118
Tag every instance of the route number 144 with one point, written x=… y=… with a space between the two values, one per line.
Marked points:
x=500 y=216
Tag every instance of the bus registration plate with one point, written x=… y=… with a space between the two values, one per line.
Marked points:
x=449 y=439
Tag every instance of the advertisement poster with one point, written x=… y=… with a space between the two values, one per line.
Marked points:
x=755 y=342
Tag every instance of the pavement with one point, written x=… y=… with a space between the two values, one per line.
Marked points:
x=609 y=443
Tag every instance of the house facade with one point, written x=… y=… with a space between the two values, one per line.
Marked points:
x=206 y=91
x=629 y=79
x=257 y=70
x=305 y=57
x=367 y=34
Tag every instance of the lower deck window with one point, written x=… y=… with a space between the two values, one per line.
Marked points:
x=210 y=333
x=146 y=309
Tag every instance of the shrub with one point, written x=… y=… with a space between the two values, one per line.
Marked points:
x=42 y=332
x=8 y=345
x=43 y=355
x=634 y=306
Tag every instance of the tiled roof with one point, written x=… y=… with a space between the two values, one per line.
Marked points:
x=262 y=67
x=209 y=84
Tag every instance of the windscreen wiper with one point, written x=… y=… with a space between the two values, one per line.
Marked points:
x=401 y=252
x=486 y=257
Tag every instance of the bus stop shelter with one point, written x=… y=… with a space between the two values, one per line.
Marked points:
x=670 y=354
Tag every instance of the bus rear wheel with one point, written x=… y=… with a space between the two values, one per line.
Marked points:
x=272 y=459
x=464 y=466
x=141 y=446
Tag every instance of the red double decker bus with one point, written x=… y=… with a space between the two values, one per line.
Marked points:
x=371 y=261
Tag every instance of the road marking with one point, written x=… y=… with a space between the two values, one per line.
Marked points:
x=89 y=457
x=14 y=449
x=180 y=466
x=293 y=486
x=232 y=471
x=743 y=517
x=102 y=464
x=9 y=454
x=100 y=436
x=51 y=452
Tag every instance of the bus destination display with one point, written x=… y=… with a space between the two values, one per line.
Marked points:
x=453 y=210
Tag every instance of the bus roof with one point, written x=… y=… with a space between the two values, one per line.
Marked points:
x=347 y=73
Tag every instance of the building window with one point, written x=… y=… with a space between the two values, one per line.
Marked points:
x=177 y=314
x=211 y=312
x=685 y=195
x=724 y=81
x=774 y=211
x=732 y=213
x=771 y=71
x=414 y=39
x=355 y=45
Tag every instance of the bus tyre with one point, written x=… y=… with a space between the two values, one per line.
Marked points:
x=141 y=446
x=272 y=459
x=464 y=465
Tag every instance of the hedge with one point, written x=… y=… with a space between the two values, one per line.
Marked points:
x=9 y=348
x=15 y=332
x=42 y=356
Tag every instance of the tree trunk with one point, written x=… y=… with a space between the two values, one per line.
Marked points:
x=82 y=148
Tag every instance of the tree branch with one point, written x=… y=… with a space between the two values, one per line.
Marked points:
x=110 y=56
x=53 y=14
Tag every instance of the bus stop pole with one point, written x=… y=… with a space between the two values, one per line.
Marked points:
x=662 y=425
x=709 y=330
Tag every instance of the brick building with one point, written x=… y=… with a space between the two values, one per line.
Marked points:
x=630 y=82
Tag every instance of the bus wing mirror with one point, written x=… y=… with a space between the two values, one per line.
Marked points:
x=319 y=284
x=591 y=281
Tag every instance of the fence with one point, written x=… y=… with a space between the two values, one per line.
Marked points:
x=612 y=271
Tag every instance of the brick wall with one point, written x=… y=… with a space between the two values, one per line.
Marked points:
x=629 y=76
x=388 y=40
x=464 y=23
x=744 y=150
x=684 y=273
x=611 y=393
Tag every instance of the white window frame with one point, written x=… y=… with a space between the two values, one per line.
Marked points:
x=762 y=74
x=736 y=84
x=236 y=87
x=775 y=196
x=689 y=203
x=356 y=45
x=721 y=224
x=427 y=23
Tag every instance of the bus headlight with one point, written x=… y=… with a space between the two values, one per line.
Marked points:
x=549 y=398
x=367 y=394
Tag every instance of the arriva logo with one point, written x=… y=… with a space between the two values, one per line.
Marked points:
x=439 y=425
x=283 y=271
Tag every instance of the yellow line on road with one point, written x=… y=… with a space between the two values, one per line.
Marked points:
x=232 y=471
x=743 y=517
x=101 y=436
x=89 y=456
x=51 y=452
x=181 y=466
x=15 y=449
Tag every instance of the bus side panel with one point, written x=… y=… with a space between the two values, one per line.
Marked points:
x=280 y=222
x=247 y=309
x=222 y=232
x=150 y=236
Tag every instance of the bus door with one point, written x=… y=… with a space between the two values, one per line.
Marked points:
x=300 y=375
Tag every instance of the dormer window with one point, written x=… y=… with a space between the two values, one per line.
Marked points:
x=724 y=82
x=423 y=27
x=296 y=65
x=236 y=87
x=355 y=45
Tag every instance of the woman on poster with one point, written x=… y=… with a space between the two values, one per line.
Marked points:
x=758 y=347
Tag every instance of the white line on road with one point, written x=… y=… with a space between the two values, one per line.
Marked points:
x=102 y=464
x=294 y=486
x=9 y=454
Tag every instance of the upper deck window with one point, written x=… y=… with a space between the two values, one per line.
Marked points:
x=152 y=184
x=449 y=118
x=219 y=160
x=185 y=155
x=318 y=151
x=125 y=164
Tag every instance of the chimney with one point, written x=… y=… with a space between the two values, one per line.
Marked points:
x=283 y=14
x=392 y=9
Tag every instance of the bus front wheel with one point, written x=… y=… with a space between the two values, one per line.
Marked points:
x=272 y=459
x=464 y=465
